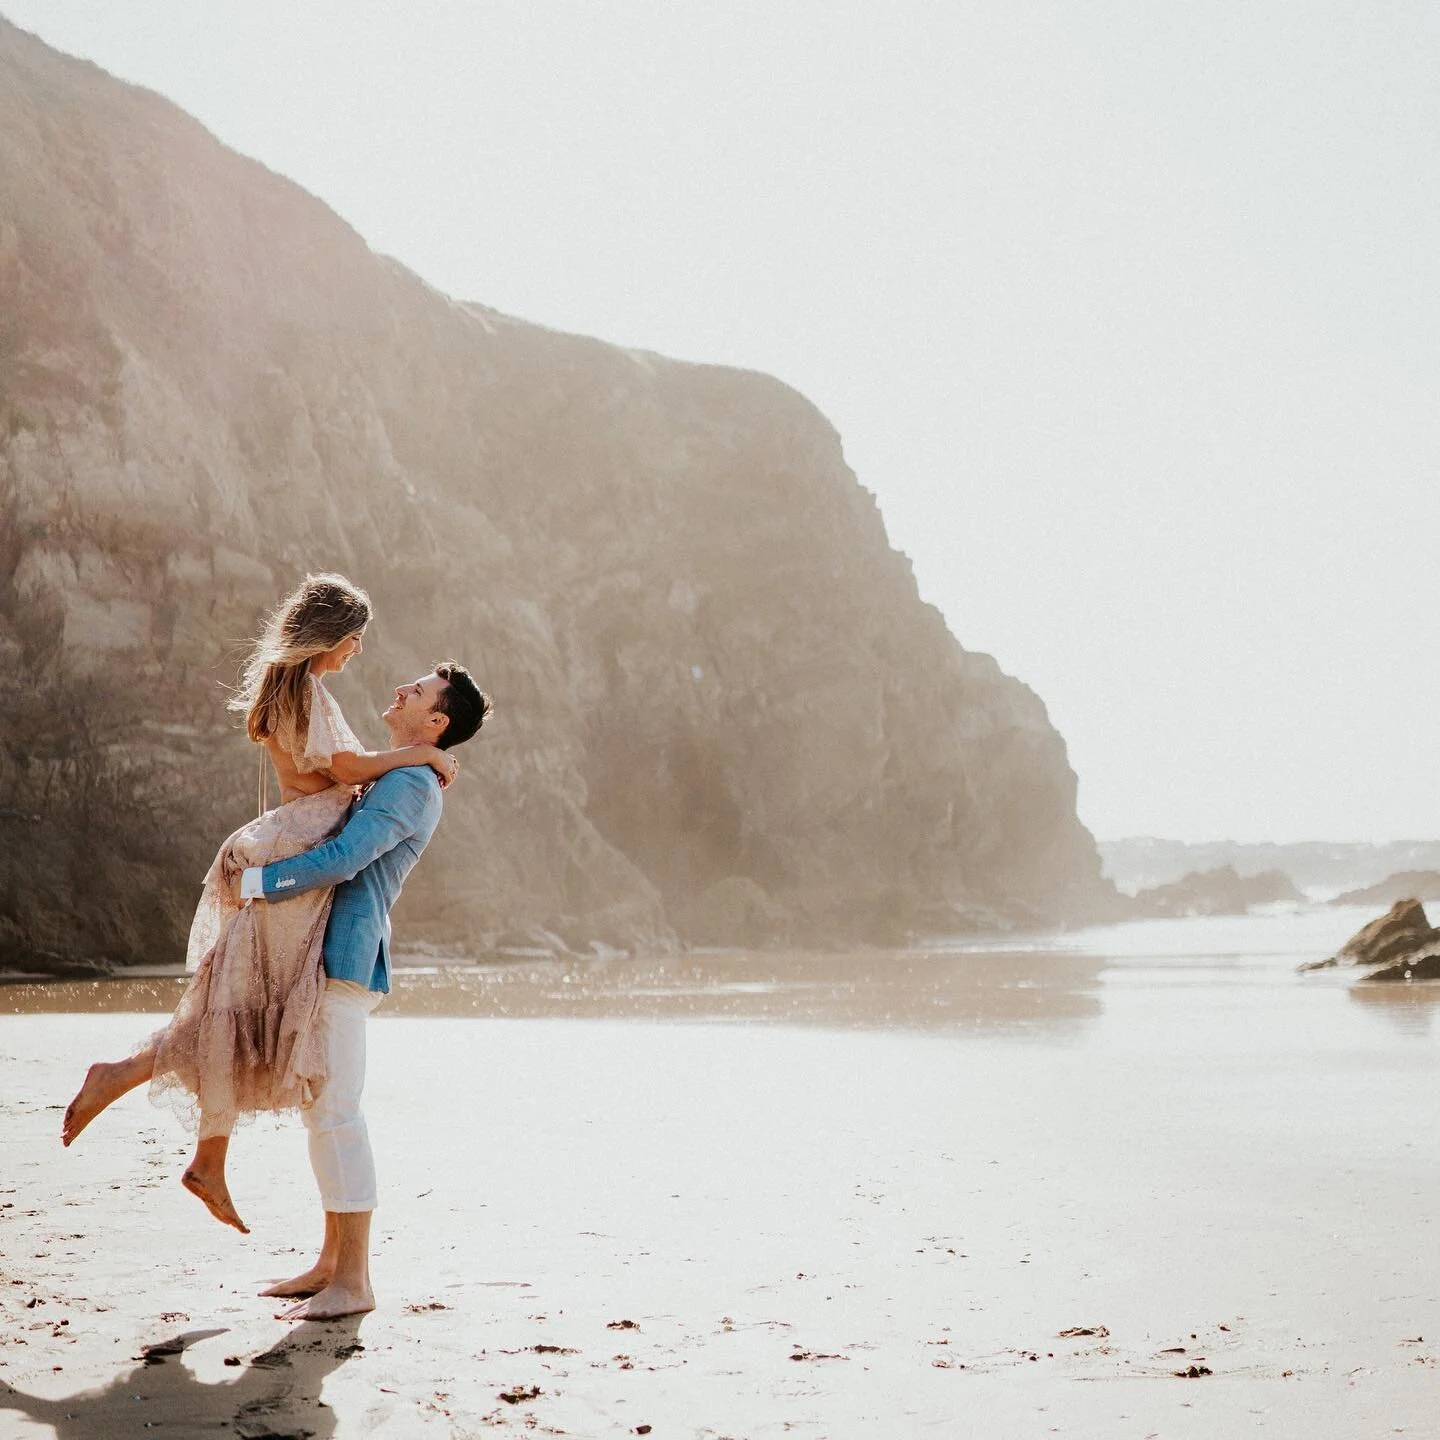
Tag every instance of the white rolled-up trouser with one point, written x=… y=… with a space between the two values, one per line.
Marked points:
x=339 y=1142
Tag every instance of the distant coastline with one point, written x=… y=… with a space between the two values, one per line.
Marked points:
x=1321 y=868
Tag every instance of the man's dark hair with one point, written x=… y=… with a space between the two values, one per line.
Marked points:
x=462 y=702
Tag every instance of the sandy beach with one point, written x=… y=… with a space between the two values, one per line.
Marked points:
x=1141 y=1182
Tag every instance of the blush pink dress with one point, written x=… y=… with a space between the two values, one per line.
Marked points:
x=244 y=1036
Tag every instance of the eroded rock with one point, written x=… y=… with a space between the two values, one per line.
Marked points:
x=721 y=701
x=1400 y=945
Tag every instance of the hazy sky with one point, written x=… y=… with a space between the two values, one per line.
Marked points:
x=1127 y=312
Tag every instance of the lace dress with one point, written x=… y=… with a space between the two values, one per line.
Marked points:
x=244 y=1036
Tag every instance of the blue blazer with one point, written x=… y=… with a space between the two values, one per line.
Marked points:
x=367 y=863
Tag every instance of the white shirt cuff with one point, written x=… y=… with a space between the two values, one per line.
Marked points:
x=250 y=886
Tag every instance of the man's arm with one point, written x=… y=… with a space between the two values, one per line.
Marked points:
x=392 y=812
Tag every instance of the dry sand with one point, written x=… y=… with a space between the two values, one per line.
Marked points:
x=593 y=1224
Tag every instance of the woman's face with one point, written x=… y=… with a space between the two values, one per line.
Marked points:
x=329 y=662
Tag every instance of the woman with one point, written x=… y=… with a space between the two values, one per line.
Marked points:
x=243 y=1038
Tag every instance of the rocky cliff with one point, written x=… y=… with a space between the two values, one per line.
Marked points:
x=724 y=713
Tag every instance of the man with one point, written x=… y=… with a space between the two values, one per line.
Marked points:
x=367 y=863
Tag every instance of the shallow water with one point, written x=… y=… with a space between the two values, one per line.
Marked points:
x=1233 y=982
x=1229 y=981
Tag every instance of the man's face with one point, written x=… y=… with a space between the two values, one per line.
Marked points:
x=412 y=717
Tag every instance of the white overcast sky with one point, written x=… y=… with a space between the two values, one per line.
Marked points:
x=1127 y=312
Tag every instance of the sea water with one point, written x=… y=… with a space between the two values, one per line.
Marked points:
x=1189 y=984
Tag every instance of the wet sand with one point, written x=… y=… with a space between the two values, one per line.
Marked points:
x=761 y=1196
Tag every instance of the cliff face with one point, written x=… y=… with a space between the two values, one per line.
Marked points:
x=724 y=713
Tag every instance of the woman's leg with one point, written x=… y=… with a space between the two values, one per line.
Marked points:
x=204 y=1177
x=105 y=1083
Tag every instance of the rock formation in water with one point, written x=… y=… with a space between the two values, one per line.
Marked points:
x=1401 y=945
x=724 y=714
x=1215 y=892
x=1408 y=884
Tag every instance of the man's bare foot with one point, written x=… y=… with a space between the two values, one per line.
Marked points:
x=312 y=1282
x=104 y=1084
x=213 y=1191
x=330 y=1304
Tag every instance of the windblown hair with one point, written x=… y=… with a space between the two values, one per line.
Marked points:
x=316 y=616
x=465 y=705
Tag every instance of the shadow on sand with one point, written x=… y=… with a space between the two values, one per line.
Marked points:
x=275 y=1395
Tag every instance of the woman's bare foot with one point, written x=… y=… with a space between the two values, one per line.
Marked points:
x=105 y=1083
x=312 y=1282
x=205 y=1177
x=215 y=1195
x=330 y=1304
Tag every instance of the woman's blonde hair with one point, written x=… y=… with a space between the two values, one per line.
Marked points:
x=315 y=617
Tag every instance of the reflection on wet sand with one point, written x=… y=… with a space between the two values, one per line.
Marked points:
x=92 y=997
x=1411 y=1008
x=1015 y=991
